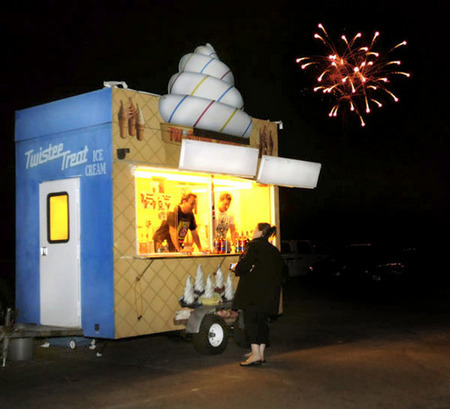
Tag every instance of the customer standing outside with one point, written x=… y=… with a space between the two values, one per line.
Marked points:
x=260 y=272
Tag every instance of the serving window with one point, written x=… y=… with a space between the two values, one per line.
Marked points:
x=225 y=211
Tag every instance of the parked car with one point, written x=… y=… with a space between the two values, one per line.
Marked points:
x=360 y=263
x=300 y=255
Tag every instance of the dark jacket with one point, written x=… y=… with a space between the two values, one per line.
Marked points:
x=260 y=270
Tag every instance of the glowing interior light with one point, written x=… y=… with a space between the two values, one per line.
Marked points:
x=177 y=177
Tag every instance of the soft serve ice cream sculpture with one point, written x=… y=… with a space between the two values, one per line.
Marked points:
x=210 y=297
x=229 y=289
x=199 y=284
x=202 y=95
x=188 y=296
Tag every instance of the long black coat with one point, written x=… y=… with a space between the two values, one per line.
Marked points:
x=260 y=270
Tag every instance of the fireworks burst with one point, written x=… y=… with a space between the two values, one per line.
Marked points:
x=356 y=75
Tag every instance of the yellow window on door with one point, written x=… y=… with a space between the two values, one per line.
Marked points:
x=58 y=217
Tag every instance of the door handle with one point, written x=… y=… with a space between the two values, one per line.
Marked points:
x=44 y=251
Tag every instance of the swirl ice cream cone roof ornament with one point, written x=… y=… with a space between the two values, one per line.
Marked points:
x=202 y=95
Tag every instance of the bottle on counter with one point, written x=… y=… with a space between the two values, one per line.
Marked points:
x=223 y=246
x=237 y=246
x=240 y=242
x=217 y=245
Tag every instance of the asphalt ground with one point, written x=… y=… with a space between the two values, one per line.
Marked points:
x=332 y=348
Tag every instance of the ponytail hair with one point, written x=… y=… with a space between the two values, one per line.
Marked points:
x=267 y=230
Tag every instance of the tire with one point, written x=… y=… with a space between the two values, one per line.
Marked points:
x=212 y=339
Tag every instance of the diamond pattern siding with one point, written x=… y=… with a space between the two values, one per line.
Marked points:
x=147 y=291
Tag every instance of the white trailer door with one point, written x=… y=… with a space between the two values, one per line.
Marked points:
x=59 y=221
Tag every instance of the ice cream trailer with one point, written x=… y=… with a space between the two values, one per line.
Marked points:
x=97 y=174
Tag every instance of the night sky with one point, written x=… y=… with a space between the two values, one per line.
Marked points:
x=387 y=180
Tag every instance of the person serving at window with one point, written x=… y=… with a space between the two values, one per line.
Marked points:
x=177 y=225
x=224 y=219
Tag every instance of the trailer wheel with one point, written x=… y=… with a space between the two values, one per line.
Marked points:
x=212 y=339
